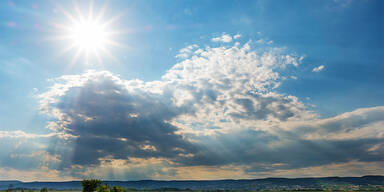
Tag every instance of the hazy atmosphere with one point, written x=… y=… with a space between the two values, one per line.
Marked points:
x=131 y=90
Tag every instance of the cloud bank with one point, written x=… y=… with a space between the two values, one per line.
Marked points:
x=216 y=114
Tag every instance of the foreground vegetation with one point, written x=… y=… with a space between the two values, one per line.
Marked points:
x=176 y=190
x=94 y=185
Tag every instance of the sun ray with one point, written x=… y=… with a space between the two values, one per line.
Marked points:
x=79 y=14
x=112 y=20
x=101 y=12
x=87 y=57
x=68 y=15
x=89 y=34
x=67 y=49
x=98 y=58
x=74 y=58
x=113 y=43
x=108 y=53
x=90 y=12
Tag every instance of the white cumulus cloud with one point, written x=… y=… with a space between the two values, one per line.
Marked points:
x=218 y=107
x=225 y=38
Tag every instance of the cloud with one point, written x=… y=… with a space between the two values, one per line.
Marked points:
x=318 y=69
x=186 y=52
x=132 y=168
x=237 y=36
x=24 y=151
x=290 y=149
x=358 y=124
x=264 y=41
x=225 y=38
x=22 y=134
x=351 y=168
x=217 y=110
x=40 y=174
x=104 y=116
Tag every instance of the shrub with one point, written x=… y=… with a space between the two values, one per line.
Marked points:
x=90 y=185
x=117 y=189
x=103 y=188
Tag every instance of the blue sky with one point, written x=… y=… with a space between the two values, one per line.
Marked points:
x=255 y=72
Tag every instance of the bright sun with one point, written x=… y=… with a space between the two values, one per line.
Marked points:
x=90 y=36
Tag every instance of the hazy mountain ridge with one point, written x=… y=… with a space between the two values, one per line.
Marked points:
x=242 y=184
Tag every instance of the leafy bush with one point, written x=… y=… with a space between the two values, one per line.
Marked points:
x=103 y=188
x=90 y=185
x=117 y=189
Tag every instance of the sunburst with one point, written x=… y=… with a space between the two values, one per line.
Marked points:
x=88 y=35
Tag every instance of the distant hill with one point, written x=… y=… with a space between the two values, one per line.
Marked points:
x=365 y=182
x=9 y=182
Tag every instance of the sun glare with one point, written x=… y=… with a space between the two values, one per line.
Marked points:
x=90 y=36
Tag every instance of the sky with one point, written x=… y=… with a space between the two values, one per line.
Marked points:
x=131 y=90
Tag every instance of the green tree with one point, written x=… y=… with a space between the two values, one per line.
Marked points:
x=90 y=185
x=117 y=189
x=103 y=188
x=44 y=189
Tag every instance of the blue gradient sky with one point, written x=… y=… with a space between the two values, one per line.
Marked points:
x=343 y=36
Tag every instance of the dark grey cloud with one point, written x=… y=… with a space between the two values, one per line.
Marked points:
x=258 y=106
x=262 y=149
x=107 y=120
x=347 y=122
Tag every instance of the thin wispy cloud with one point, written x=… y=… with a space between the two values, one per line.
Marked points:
x=318 y=68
